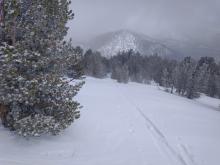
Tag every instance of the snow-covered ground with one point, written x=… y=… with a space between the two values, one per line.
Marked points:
x=126 y=124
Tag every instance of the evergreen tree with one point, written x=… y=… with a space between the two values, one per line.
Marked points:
x=36 y=97
x=192 y=87
x=120 y=67
x=94 y=64
x=206 y=70
x=186 y=78
x=203 y=77
x=165 y=78
x=121 y=74
x=135 y=67
x=73 y=67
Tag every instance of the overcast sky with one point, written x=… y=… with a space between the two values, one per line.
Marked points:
x=167 y=18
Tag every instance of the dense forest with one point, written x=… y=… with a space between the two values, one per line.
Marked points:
x=188 y=77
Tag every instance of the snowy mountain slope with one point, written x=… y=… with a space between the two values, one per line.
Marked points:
x=110 y=44
x=126 y=125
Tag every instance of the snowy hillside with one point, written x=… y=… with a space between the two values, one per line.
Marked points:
x=123 y=40
x=126 y=125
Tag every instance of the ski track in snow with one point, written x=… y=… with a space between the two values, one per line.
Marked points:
x=181 y=157
x=188 y=157
x=12 y=162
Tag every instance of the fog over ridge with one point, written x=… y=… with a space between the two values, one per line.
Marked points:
x=178 y=19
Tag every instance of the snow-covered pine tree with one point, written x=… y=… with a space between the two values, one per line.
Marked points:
x=192 y=88
x=33 y=56
x=165 y=78
x=120 y=73
x=180 y=76
x=94 y=64
x=186 y=81
x=203 y=73
x=207 y=70
x=74 y=69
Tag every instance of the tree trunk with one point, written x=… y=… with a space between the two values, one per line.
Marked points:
x=13 y=32
x=3 y=113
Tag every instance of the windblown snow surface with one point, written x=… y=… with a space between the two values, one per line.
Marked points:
x=126 y=124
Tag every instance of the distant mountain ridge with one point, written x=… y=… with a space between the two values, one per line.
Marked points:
x=110 y=44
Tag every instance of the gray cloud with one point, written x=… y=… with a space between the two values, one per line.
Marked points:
x=168 y=18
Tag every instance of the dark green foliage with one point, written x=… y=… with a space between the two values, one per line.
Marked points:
x=33 y=60
x=94 y=64
x=186 y=78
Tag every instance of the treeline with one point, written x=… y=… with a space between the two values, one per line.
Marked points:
x=188 y=77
